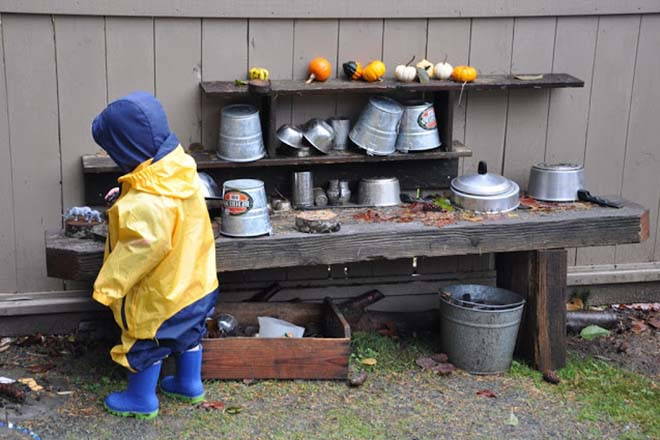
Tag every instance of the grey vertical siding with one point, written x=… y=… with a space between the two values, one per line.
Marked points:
x=60 y=70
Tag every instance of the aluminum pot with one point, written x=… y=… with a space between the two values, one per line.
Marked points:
x=555 y=182
x=291 y=136
x=377 y=128
x=485 y=192
x=379 y=191
x=245 y=210
x=319 y=134
x=419 y=128
x=240 y=138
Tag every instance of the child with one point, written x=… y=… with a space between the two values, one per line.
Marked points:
x=159 y=274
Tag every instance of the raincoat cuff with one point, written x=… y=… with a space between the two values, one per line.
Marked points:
x=103 y=299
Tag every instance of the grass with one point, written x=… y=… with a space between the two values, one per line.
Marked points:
x=393 y=355
x=605 y=392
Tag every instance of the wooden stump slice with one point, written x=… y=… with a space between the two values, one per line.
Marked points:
x=317 y=222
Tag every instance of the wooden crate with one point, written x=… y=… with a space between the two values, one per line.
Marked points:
x=281 y=358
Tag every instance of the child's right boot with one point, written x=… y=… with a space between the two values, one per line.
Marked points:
x=186 y=384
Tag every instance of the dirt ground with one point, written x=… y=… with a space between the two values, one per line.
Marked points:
x=399 y=400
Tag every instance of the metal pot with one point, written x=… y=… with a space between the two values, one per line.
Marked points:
x=319 y=134
x=291 y=136
x=377 y=128
x=240 y=138
x=379 y=191
x=245 y=210
x=485 y=192
x=419 y=128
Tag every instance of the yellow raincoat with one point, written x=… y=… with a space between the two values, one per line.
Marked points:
x=160 y=252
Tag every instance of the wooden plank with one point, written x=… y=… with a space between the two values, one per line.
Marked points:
x=35 y=150
x=527 y=118
x=608 y=115
x=335 y=9
x=642 y=161
x=178 y=53
x=8 y=281
x=540 y=276
x=270 y=45
x=130 y=55
x=224 y=58
x=82 y=95
x=313 y=38
x=361 y=241
x=490 y=50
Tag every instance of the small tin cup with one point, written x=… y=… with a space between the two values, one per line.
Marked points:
x=341 y=126
x=303 y=189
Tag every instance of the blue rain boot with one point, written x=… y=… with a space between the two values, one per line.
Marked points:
x=186 y=384
x=139 y=400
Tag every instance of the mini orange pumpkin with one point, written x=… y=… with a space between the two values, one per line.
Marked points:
x=464 y=74
x=373 y=71
x=320 y=69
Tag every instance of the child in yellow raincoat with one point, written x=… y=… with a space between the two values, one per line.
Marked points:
x=159 y=274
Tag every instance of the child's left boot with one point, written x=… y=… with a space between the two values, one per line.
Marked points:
x=186 y=385
x=139 y=400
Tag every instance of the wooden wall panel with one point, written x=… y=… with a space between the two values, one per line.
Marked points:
x=313 y=38
x=270 y=44
x=641 y=171
x=7 y=239
x=130 y=55
x=35 y=159
x=359 y=40
x=403 y=38
x=82 y=95
x=490 y=51
x=224 y=58
x=527 y=121
x=178 y=52
x=608 y=116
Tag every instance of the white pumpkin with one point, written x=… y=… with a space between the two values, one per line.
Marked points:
x=405 y=73
x=443 y=70
x=426 y=65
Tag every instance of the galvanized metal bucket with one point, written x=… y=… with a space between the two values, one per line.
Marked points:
x=479 y=326
x=240 y=138
x=245 y=209
x=377 y=128
x=419 y=128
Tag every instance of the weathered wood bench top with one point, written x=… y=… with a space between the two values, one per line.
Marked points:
x=390 y=233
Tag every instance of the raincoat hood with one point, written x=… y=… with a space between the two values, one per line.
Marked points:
x=133 y=129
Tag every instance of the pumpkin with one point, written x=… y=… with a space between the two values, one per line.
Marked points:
x=426 y=65
x=464 y=74
x=352 y=69
x=443 y=70
x=373 y=71
x=405 y=72
x=258 y=73
x=320 y=69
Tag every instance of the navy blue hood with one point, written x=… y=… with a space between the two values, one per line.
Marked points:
x=133 y=129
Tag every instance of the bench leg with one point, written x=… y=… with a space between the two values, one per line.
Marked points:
x=540 y=276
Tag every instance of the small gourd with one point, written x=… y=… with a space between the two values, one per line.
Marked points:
x=320 y=69
x=405 y=72
x=464 y=74
x=373 y=71
x=426 y=65
x=352 y=69
x=443 y=70
x=258 y=73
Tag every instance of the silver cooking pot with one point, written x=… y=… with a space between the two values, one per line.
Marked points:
x=485 y=192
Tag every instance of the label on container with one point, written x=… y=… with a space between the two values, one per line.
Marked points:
x=237 y=202
x=426 y=119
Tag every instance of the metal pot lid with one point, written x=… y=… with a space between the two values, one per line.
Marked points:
x=386 y=104
x=558 y=167
x=482 y=184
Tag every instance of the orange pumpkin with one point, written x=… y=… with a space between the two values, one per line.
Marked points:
x=464 y=74
x=320 y=69
x=373 y=71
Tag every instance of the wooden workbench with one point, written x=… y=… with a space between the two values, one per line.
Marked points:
x=529 y=245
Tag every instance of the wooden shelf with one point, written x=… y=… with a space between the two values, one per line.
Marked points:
x=228 y=89
x=94 y=164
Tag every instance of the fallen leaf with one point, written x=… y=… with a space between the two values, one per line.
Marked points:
x=4 y=348
x=593 y=331
x=655 y=322
x=213 y=404
x=233 y=409
x=444 y=368
x=574 y=304
x=248 y=381
x=623 y=347
x=638 y=326
x=439 y=357
x=358 y=380
x=513 y=420
x=42 y=368
x=64 y=393
x=5 y=380
x=550 y=376
x=528 y=77
x=426 y=362
x=369 y=361
x=31 y=383
x=486 y=393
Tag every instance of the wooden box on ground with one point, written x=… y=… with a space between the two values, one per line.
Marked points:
x=323 y=357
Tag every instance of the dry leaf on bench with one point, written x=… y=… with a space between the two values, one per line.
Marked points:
x=655 y=322
x=213 y=404
x=486 y=393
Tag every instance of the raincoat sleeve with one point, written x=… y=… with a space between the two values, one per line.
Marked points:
x=144 y=239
